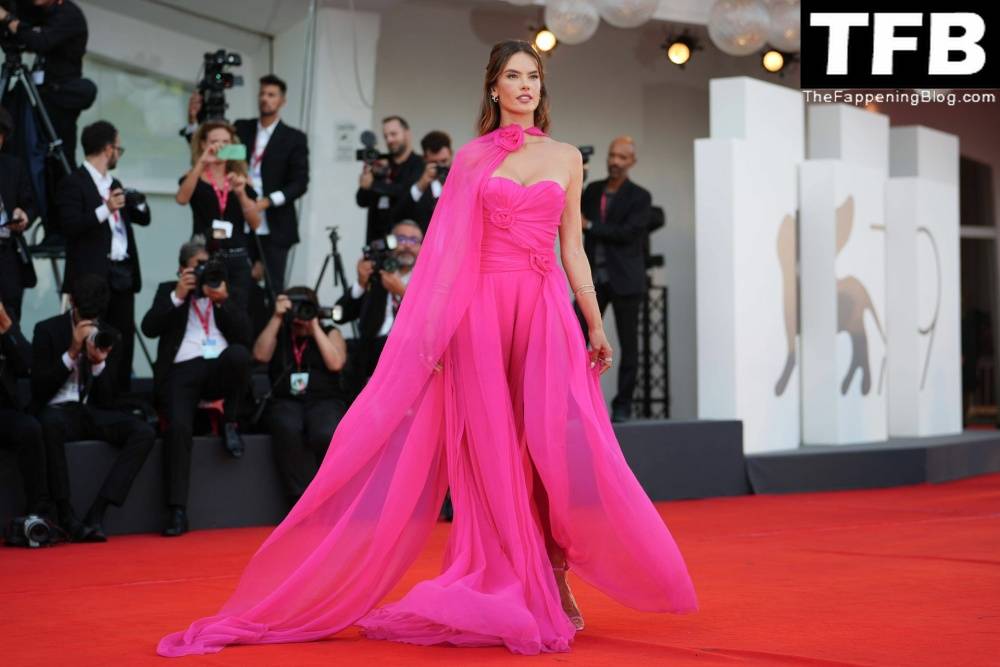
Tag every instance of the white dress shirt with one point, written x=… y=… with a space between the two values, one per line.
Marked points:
x=70 y=391
x=277 y=197
x=119 y=237
x=194 y=335
x=435 y=190
x=357 y=291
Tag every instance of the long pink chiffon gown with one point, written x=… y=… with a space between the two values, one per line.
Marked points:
x=516 y=394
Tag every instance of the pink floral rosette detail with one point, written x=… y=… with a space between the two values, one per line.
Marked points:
x=539 y=262
x=509 y=138
x=502 y=218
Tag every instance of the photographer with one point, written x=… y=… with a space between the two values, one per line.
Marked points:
x=279 y=167
x=97 y=215
x=17 y=210
x=384 y=183
x=424 y=194
x=74 y=357
x=56 y=31
x=203 y=354
x=304 y=362
x=223 y=204
x=376 y=297
x=21 y=432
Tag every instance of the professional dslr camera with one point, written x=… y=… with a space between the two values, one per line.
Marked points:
x=380 y=252
x=32 y=531
x=8 y=39
x=104 y=336
x=370 y=155
x=134 y=198
x=304 y=308
x=214 y=83
x=211 y=273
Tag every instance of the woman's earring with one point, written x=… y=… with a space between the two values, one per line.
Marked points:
x=494 y=98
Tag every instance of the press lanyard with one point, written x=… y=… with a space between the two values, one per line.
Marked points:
x=298 y=352
x=604 y=206
x=203 y=318
x=221 y=194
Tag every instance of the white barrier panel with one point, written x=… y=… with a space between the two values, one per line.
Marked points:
x=924 y=318
x=745 y=203
x=842 y=277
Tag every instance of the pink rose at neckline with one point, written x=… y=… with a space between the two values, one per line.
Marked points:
x=511 y=137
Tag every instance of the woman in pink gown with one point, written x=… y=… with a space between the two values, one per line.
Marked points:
x=485 y=384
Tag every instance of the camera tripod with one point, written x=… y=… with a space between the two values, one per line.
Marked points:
x=338 y=268
x=14 y=69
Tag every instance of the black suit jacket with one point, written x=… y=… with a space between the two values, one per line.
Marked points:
x=51 y=339
x=168 y=323
x=88 y=241
x=284 y=167
x=420 y=211
x=15 y=362
x=623 y=234
x=404 y=176
x=16 y=192
x=368 y=309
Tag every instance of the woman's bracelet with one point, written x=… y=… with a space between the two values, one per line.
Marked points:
x=584 y=289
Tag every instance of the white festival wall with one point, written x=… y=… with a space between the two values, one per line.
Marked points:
x=924 y=327
x=745 y=205
x=842 y=276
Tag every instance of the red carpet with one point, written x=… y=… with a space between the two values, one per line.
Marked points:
x=902 y=577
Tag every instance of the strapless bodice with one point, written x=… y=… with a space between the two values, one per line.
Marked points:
x=520 y=224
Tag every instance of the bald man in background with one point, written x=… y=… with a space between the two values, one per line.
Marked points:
x=616 y=215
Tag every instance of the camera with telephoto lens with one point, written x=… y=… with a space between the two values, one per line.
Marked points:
x=211 y=273
x=380 y=252
x=134 y=198
x=103 y=336
x=370 y=155
x=215 y=82
x=31 y=531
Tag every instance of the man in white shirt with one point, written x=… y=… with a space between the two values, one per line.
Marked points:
x=375 y=298
x=97 y=219
x=73 y=394
x=203 y=354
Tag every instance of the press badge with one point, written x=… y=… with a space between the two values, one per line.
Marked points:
x=383 y=202
x=210 y=348
x=299 y=382
x=222 y=229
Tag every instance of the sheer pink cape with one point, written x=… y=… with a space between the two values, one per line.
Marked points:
x=367 y=514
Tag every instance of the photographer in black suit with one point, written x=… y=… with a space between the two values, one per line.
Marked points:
x=97 y=217
x=375 y=298
x=56 y=31
x=21 y=432
x=278 y=157
x=616 y=215
x=384 y=185
x=424 y=194
x=304 y=362
x=203 y=354
x=17 y=210
x=73 y=362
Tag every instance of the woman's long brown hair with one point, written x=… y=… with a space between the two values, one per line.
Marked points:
x=200 y=139
x=489 y=111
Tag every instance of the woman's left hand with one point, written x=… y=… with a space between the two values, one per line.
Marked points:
x=600 y=350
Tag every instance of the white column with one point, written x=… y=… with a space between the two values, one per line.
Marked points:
x=842 y=276
x=924 y=325
x=339 y=112
x=745 y=203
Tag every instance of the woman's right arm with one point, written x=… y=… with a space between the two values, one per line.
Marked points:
x=188 y=185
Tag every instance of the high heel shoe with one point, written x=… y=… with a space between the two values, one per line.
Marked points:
x=566 y=597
